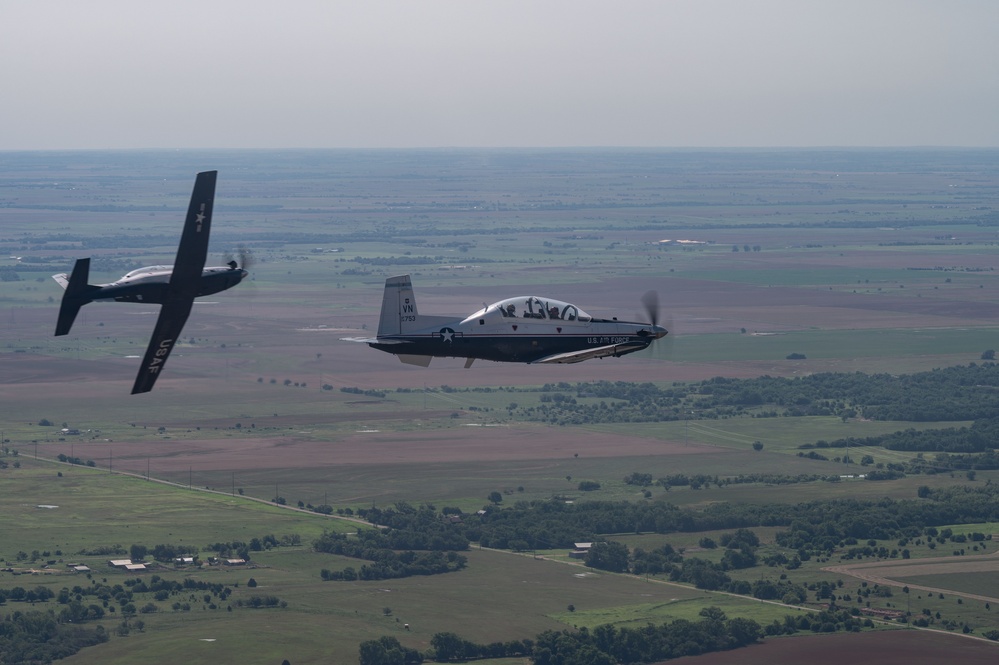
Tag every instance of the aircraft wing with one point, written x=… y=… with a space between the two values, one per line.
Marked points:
x=595 y=352
x=173 y=316
x=375 y=340
x=193 y=249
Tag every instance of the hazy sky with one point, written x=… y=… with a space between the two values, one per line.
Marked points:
x=373 y=73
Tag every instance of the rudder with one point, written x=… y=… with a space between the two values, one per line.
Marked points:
x=75 y=296
x=399 y=313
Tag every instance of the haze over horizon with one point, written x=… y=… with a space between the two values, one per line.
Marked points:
x=112 y=74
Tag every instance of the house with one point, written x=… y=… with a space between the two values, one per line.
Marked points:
x=580 y=551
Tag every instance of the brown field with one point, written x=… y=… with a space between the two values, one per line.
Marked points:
x=892 y=647
x=471 y=444
x=890 y=572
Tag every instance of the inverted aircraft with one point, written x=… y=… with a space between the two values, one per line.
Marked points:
x=174 y=287
x=523 y=329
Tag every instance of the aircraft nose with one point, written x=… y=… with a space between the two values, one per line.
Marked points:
x=242 y=275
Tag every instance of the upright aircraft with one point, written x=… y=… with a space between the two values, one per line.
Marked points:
x=523 y=329
x=174 y=287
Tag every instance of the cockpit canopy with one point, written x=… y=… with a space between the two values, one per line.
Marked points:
x=148 y=270
x=533 y=307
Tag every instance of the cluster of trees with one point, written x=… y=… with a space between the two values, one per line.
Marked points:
x=162 y=552
x=447 y=647
x=814 y=528
x=773 y=479
x=444 y=647
x=367 y=393
x=809 y=528
x=386 y=562
x=20 y=594
x=740 y=552
x=38 y=637
x=242 y=549
x=75 y=460
x=979 y=438
x=950 y=394
x=827 y=621
x=819 y=528
x=388 y=651
x=257 y=602
x=409 y=527
x=607 y=645
x=105 y=597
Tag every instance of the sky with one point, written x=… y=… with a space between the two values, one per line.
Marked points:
x=122 y=74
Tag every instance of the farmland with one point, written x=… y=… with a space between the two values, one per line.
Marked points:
x=845 y=261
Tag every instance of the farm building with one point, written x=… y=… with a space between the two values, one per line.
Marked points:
x=126 y=564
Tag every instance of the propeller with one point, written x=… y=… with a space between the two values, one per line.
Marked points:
x=650 y=300
x=243 y=258
x=240 y=261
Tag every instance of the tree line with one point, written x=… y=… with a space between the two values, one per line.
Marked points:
x=811 y=527
x=385 y=560
x=963 y=392
x=38 y=637
x=611 y=645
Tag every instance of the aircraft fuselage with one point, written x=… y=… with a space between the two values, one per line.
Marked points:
x=522 y=329
x=151 y=285
x=519 y=342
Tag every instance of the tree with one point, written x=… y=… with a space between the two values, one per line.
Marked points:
x=138 y=552
x=608 y=556
x=757 y=446
x=989 y=354
x=495 y=497
x=387 y=651
x=449 y=646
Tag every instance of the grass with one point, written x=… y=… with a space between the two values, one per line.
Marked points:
x=980 y=583
x=95 y=509
x=680 y=606
x=783 y=435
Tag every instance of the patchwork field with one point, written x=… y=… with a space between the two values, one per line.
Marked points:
x=854 y=261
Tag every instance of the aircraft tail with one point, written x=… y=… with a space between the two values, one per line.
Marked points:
x=76 y=295
x=399 y=313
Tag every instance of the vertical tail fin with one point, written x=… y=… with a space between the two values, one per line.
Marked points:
x=398 y=307
x=75 y=296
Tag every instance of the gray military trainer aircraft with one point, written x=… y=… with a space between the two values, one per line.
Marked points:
x=524 y=329
x=174 y=287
